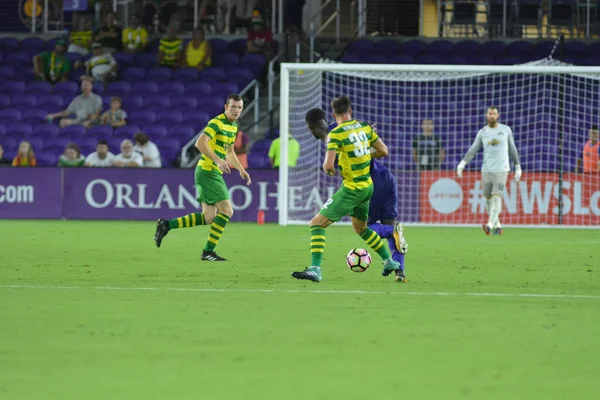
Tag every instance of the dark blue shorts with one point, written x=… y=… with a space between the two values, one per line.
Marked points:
x=384 y=203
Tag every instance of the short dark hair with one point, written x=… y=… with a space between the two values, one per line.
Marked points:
x=74 y=146
x=493 y=108
x=102 y=141
x=234 y=97
x=116 y=98
x=341 y=105
x=314 y=115
x=594 y=128
x=141 y=138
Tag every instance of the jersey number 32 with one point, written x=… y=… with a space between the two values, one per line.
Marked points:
x=361 y=143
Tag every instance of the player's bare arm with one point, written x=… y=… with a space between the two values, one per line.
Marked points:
x=231 y=157
x=380 y=148
x=329 y=163
x=204 y=148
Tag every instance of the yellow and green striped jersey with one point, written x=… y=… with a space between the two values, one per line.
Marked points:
x=171 y=50
x=352 y=141
x=81 y=38
x=222 y=134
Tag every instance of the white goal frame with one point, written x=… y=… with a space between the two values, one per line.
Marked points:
x=283 y=189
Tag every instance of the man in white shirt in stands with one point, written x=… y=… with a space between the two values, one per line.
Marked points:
x=127 y=157
x=148 y=150
x=101 y=157
x=102 y=67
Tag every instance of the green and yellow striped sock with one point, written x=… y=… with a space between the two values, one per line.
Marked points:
x=374 y=241
x=317 y=245
x=187 y=221
x=216 y=231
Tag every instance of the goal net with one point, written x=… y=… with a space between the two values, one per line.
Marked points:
x=428 y=115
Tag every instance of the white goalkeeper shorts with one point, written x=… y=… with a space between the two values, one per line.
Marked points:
x=493 y=183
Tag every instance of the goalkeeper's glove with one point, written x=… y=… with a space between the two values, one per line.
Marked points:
x=461 y=166
x=518 y=173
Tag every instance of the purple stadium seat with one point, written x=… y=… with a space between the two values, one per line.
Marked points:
x=126 y=132
x=142 y=117
x=76 y=74
x=574 y=48
x=171 y=88
x=361 y=46
x=12 y=88
x=106 y=102
x=132 y=102
x=24 y=101
x=37 y=114
x=373 y=59
x=9 y=143
x=73 y=57
x=9 y=44
x=493 y=48
x=34 y=43
x=183 y=102
x=133 y=74
x=543 y=49
x=10 y=114
x=508 y=60
x=64 y=88
x=414 y=47
x=145 y=60
x=454 y=59
x=39 y=87
x=100 y=132
x=51 y=102
x=124 y=59
x=19 y=130
x=225 y=87
x=260 y=147
x=114 y=144
x=587 y=61
x=73 y=132
x=47 y=158
x=386 y=47
x=157 y=100
x=440 y=47
x=118 y=88
x=2 y=129
x=195 y=115
x=88 y=141
x=144 y=88
x=238 y=46
x=57 y=143
x=46 y=130
x=182 y=131
x=156 y=131
x=243 y=73
x=481 y=59
x=519 y=48
x=254 y=62
x=428 y=59
x=466 y=48
x=18 y=59
x=593 y=49
x=159 y=74
x=168 y=117
x=350 y=58
x=212 y=74
x=226 y=60
x=259 y=162
x=401 y=59
x=218 y=45
x=4 y=101
x=185 y=75
x=7 y=72
x=36 y=142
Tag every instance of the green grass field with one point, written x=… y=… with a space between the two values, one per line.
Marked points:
x=92 y=310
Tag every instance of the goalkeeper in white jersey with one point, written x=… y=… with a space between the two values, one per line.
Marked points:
x=498 y=144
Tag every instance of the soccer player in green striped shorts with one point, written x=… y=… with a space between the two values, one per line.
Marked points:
x=352 y=141
x=216 y=146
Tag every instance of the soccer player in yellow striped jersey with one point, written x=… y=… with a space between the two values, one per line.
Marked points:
x=216 y=145
x=354 y=143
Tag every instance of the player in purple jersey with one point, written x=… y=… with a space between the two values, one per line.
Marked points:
x=383 y=206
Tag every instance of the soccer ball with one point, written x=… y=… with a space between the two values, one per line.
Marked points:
x=358 y=260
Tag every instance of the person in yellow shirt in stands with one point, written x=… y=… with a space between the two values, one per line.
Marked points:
x=135 y=38
x=197 y=54
x=293 y=152
x=169 y=49
x=81 y=38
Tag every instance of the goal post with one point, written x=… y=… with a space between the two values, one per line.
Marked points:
x=550 y=106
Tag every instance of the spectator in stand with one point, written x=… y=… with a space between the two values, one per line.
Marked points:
x=101 y=67
x=591 y=153
x=3 y=161
x=86 y=108
x=170 y=49
x=148 y=150
x=116 y=116
x=240 y=147
x=293 y=152
x=81 y=37
x=52 y=66
x=127 y=157
x=427 y=149
x=260 y=39
x=72 y=157
x=197 y=53
x=101 y=157
x=25 y=157
x=135 y=38
x=110 y=34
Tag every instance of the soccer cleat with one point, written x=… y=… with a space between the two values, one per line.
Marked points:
x=400 y=277
x=389 y=266
x=211 y=256
x=497 y=231
x=401 y=243
x=486 y=229
x=162 y=228
x=310 y=274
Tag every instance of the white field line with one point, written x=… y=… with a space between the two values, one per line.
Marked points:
x=353 y=292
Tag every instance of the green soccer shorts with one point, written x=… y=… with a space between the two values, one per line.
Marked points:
x=210 y=186
x=354 y=203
